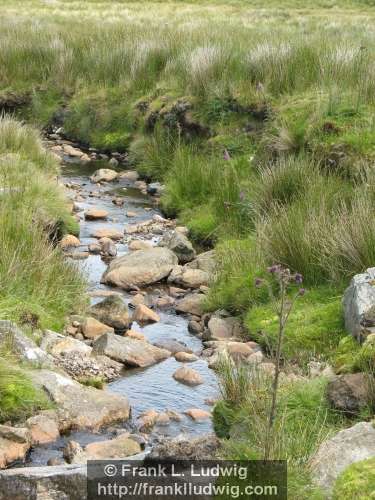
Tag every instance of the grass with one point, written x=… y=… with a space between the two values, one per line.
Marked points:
x=34 y=276
x=357 y=481
x=303 y=421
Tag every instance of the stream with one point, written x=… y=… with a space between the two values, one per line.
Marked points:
x=147 y=388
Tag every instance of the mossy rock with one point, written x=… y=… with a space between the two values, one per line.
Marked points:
x=356 y=482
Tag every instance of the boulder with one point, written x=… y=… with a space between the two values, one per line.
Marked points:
x=14 y=444
x=201 y=448
x=92 y=328
x=69 y=241
x=223 y=328
x=188 y=376
x=96 y=214
x=65 y=482
x=112 y=311
x=359 y=305
x=349 y=393
x=140 y=268
x=188 y=278
x=84 y=407
x=107 y=247
x=127 y=350
x=120 y=447
x=135 y=245
x=337 y=453
x=129 y=175
x=104 y=175
x=11 y=337
x=205 y=262
x=144 y=314
x=180 y=245
x=173 y=346
x=191 y=304
x=197 y=414
x=185 y=357
x=83 y=367
x=43 y=429
x=108 y=232
x=60 y=345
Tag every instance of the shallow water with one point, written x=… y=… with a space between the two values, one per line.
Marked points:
x=152 y=387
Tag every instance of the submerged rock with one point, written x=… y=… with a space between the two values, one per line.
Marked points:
x=188 y=376
x=140 y=268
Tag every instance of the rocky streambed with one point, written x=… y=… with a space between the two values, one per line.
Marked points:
x=137 y=367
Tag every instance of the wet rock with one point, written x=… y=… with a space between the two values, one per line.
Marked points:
x=177 y=292
x=185 y=357
x=42 y=429
x=337 y=453
x=188 y=278
x=135 y=335
x=164 y=302
x=135 y=245
x=191 y=304
x=173 y=346
x=107 y=247
x=195 y=327
x=188 y=376
x=113 y=162
x=173 y=415
x=11 y=337
x=107 y=232
x=44 y=483
x=144 y=314
x=349 y=393
x=163 y=419
x=359 y=305
x=137 y=299
x=92 y=328
x=57 y=344
x=147 y=420
x=140 y=268
x=223 y=328
x=104 y=175
x=131 y=214
x=84 y=407
x=155 y=189
x=180 y=245
x=95 y=214
x=184 y=448
x=197 y=414
x=131 y=352
x=129 y=175
x=94 y=248
x=120 y=447
x=69 y=241
x=112 y=311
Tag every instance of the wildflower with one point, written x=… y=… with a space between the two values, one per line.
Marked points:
x=258 y=282
x=298 y=278
x=301 y=292
x=273 y=269
x=226 y=155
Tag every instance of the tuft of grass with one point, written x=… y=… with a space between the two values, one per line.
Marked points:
x=357 y=481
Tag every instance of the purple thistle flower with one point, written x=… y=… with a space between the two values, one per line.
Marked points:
x=273 y=269
x=226 y=155
x=298 y=278
x=258 y=282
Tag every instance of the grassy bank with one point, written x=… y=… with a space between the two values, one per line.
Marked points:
x=259 y=120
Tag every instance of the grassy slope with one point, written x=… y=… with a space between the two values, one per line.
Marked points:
x=287 y=90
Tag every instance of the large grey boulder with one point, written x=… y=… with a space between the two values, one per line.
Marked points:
x=104 y=175
x=180 y=245
x=223 y=328
x=359 y=305
x=337 y=453
x=84 y=407
x=140 y=268
x=130 y=351
x=14 y=339
x=62 y=482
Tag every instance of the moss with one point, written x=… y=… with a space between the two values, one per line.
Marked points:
x=202 y=224
x=357 y=482
x=315 y=326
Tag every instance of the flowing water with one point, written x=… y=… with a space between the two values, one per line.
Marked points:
x=147 y=388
